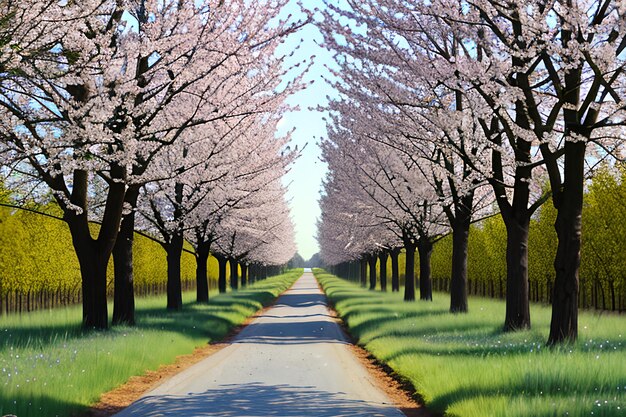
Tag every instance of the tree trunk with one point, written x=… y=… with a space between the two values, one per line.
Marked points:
x=234 y=274
x=253 y=273
x=124 y=293
x=425 y=249
x=93 y=270
x=458 y=281
x=516 y=217
x=395 y=270
x=409 y=281
x=221 y=280
x=202 y=280
x=517 y=297
x=244 y=274
x=94 y=254
x=363 y=264
x=174 y=288
x=383 y=270
x=371 y=259
x=564 y=324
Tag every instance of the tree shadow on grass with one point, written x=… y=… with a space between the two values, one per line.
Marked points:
x=247 y=297
x=37 y=406
x=197 y=324
x=202 y=320
x=355 y=298
x=524 y=392
x=378 y=324
x=258 y=400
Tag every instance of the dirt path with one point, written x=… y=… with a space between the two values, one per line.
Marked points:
x=293 y=360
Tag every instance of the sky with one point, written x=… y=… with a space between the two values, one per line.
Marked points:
x=304 y=180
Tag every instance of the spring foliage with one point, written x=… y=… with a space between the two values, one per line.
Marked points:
x=603 y=252
x=36 y=255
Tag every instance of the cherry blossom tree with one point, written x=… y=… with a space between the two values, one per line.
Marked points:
x=217 y=172
x=541 y=80
x=561 y=66
x=394 y=190
x=104 y=93
x=387 y=82
x=419 y=57
x=264 y=235
x=58 y=125
x=237 y=79
x=343 y=234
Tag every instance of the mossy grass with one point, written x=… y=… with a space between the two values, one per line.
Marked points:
x=465 y=365
x=50 y=367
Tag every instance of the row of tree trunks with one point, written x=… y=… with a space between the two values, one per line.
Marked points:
x=24 y=302
x=249 y=273
x=592 y=293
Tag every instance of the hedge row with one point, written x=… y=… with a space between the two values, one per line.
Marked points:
x=603 y=264
x=39 y=269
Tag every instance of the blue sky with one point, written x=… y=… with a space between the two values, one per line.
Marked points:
x=305 y=178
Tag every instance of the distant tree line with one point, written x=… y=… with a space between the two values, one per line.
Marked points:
x=299 y=262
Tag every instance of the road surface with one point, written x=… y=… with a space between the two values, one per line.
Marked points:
x=292 y=361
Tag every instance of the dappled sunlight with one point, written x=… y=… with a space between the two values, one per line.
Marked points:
x=258 y=400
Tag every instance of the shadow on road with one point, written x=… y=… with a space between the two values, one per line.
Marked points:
x=294 y=328
x=258 y=400
x=292 y=333
x=302 y=300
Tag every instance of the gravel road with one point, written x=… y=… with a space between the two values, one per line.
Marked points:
x=292 y=361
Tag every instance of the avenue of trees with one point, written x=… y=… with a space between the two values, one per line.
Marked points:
x=602 y=277
x=449 y=111
x=150 y=115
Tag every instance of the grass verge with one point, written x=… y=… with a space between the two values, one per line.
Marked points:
x=464 y=365
x=50 y=367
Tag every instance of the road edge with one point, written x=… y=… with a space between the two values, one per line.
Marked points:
x=119 y=398
x=398 y=388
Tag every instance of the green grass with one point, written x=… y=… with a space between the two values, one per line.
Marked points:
x=50 y=367
x=464 y=365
